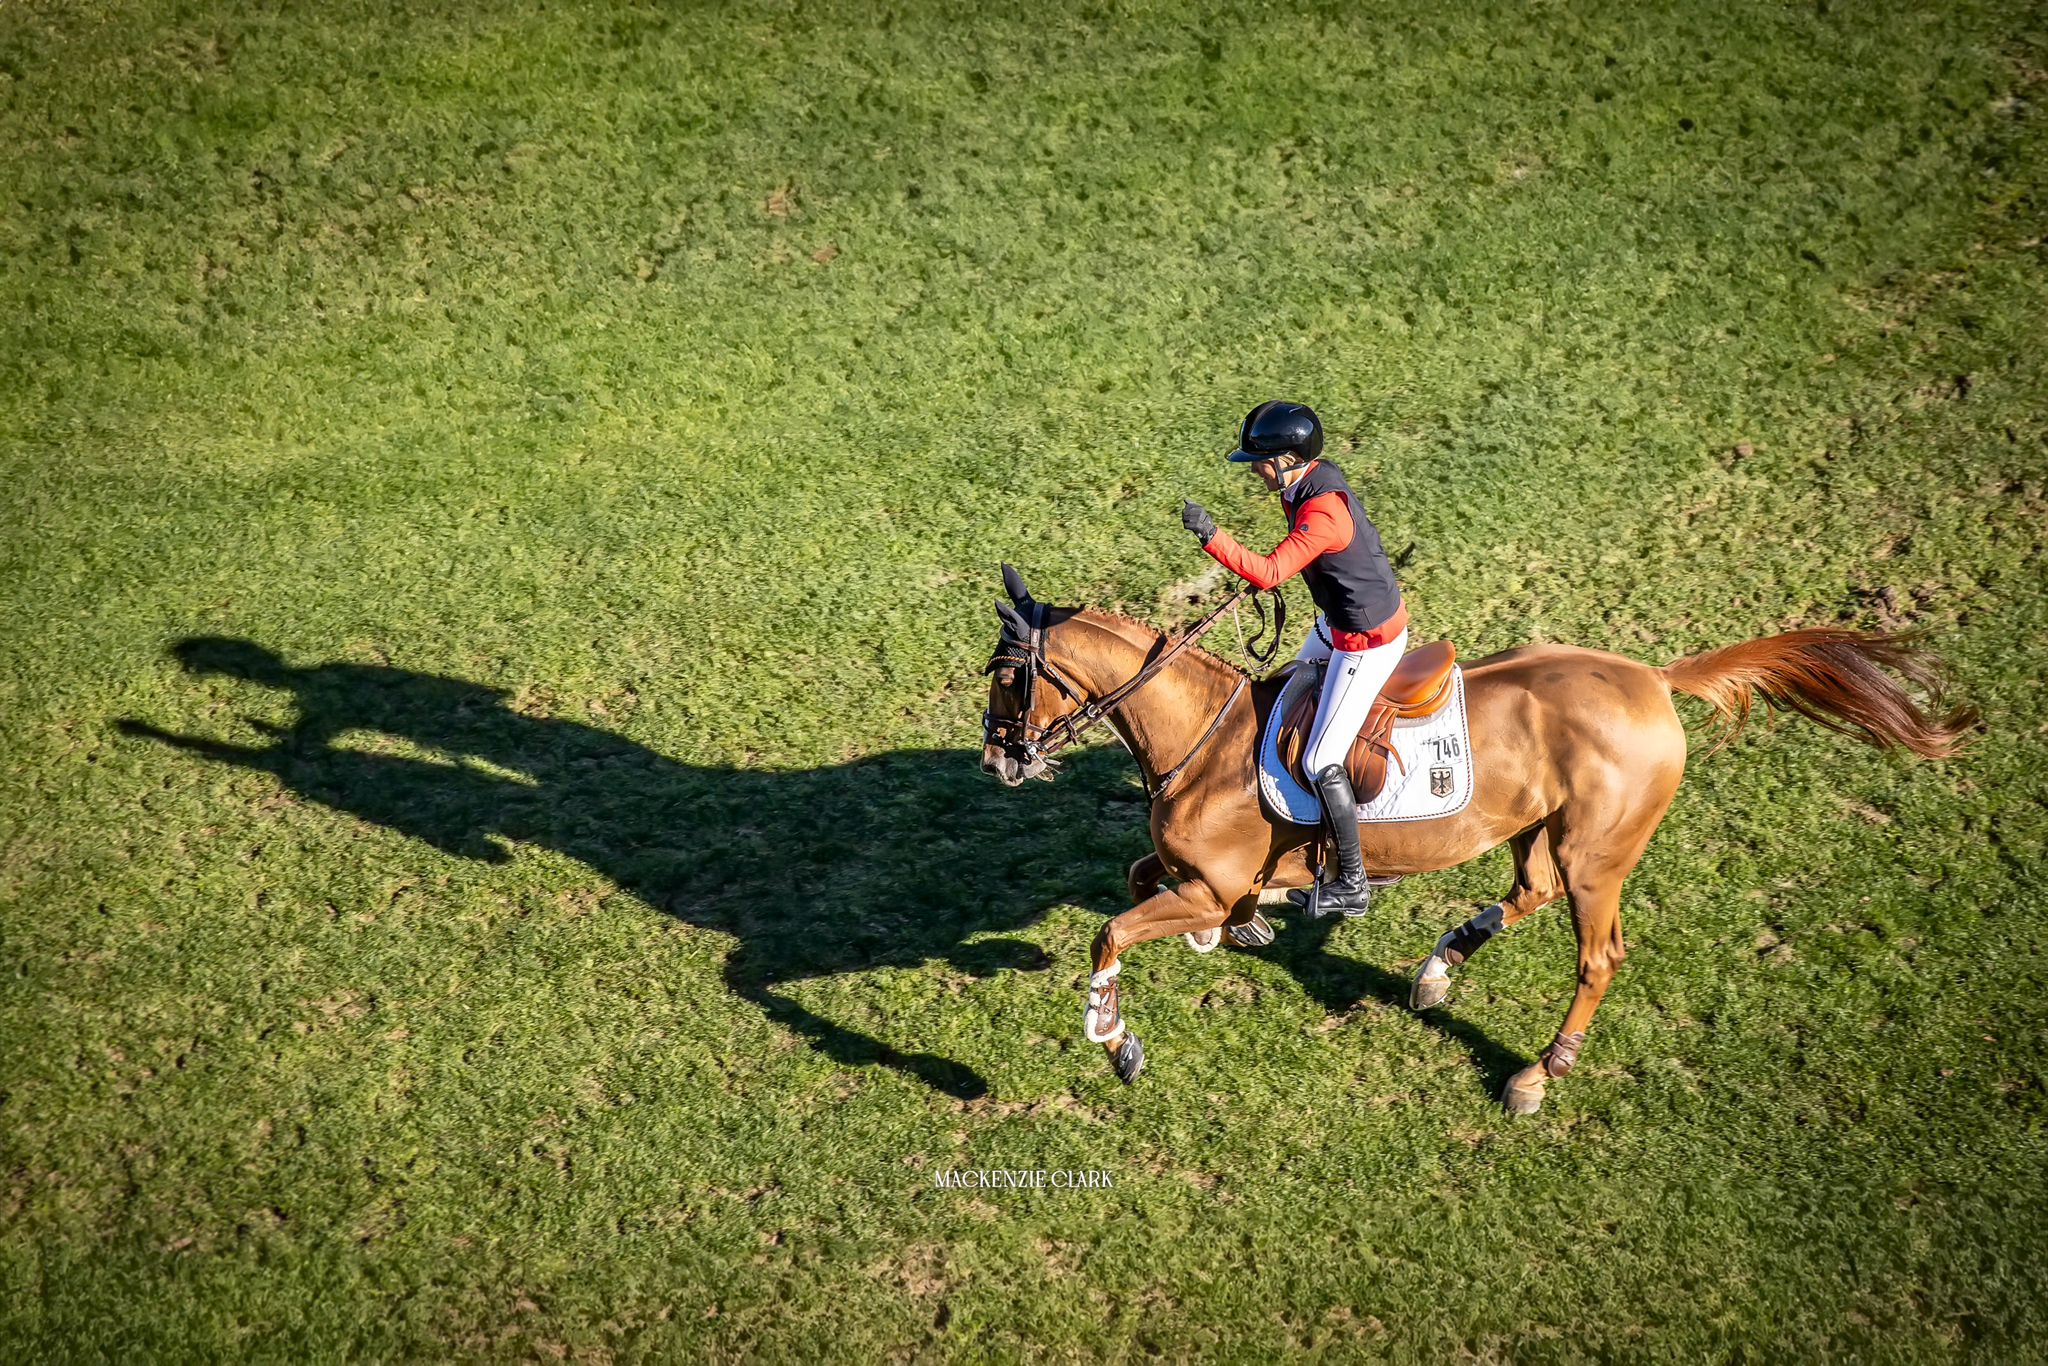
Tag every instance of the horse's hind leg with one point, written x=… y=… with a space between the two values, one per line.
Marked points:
x=1247 y=928
x=1537 y=883
x=1594 y=869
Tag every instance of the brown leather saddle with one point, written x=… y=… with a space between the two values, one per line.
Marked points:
x=1420 y=685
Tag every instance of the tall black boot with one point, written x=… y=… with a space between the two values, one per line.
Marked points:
x=1343 y=890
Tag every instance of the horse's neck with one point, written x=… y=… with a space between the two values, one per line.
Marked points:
x=1159 y=722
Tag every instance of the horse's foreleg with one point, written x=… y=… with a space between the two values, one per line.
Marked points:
x=1246 y=927
x=1537 y=883
x=1189 y=907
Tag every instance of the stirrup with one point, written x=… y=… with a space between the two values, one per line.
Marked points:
x=1298 y=897
x=1327 y=898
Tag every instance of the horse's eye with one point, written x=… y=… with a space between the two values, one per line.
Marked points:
x=1007 y=677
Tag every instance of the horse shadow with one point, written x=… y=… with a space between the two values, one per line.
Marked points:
x=1339 y=983
x=895 y=860
x=890 y=861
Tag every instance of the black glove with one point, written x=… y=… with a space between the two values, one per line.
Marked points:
x=1196 y=518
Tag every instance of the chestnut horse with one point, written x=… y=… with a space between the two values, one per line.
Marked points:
x=1577 y=756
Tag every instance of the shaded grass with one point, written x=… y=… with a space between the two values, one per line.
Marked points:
x=681 y=376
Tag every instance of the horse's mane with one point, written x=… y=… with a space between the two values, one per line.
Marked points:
x=1104 y=616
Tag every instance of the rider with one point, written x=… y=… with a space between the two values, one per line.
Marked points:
x=1361 y=623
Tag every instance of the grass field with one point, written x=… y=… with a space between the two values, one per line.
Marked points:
x=548 y=904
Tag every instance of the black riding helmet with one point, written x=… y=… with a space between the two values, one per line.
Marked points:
x=1276 y=429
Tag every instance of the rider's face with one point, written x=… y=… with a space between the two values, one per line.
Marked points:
x=1269 y=472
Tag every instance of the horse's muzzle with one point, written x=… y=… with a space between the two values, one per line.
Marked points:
x=998 y=764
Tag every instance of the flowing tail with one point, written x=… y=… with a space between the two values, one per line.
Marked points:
x=1832 y=676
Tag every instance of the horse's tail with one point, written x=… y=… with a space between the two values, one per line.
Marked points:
x=1832 y=676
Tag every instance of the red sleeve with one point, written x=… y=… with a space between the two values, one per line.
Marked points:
x=1321 y=525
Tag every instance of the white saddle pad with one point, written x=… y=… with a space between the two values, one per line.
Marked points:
x=1437 y=750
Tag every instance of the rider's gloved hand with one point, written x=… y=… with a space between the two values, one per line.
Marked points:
x=1196 y=518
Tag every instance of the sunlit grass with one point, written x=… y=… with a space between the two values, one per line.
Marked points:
x=612 y=417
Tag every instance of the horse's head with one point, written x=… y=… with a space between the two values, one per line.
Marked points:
x=1028 y=699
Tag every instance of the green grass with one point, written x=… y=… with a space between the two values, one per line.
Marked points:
x=613 y=416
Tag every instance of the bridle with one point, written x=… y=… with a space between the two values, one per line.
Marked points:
x=1018 y=737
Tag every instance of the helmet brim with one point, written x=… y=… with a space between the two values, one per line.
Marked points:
x=1241 y=456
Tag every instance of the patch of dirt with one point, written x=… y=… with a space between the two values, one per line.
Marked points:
x=335 y=1011
x=1952 y=389
x=535 y=700
x=1883 y=603
x=616 y=706
x=1770 y=949
x=1188 y=598
x=920 y=1270
x=1059 y=1259
x=1231 y=991
x=1866 y=812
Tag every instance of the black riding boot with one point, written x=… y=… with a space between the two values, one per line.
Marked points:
x=1343 y=889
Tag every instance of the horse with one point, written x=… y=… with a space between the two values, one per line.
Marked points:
x=1579 y=753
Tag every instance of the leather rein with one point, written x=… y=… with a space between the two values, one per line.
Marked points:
x=1017 y=734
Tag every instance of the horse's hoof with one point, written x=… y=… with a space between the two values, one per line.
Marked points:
x=1524 y=1094
x=1203 y=941
x=1255 y=933
x=1432 y=985
x=1129 y=1058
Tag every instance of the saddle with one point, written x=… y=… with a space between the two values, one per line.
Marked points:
x=1420 y=685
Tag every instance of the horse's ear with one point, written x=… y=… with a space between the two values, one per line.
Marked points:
x=1013 y=584
x=1014 y=626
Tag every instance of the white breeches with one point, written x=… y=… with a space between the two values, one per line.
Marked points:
x=1351 y=681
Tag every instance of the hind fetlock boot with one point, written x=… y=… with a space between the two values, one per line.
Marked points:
x=1342 y=890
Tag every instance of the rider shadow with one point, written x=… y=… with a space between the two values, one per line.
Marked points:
x=1340 y=983
x=890 y=861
